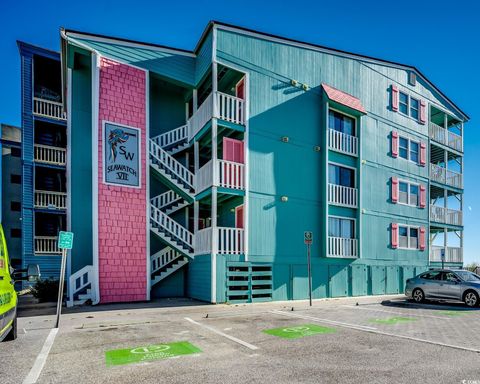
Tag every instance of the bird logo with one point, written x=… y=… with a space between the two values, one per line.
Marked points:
x=117 y=136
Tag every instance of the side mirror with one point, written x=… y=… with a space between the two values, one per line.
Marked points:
x=33 y=272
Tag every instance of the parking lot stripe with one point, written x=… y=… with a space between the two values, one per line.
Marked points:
x=376 y=331
x=41 y=359
x=395 y=312
x=232 y=338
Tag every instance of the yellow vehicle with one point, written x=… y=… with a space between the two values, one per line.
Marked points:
x=8 y=296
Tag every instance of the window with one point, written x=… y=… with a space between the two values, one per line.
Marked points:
x=450 y=277
x=408 y=149
x=403 y=103
x=15 y=206
x=403 y=148
x=15 y=179
x=15 y=232
x=432 y=275
x=340 y=227
x=408 y=193
x=414 y=107
x=408 y=237
x=16 y=152
x=341 y=175
x=341 y=123
x=414 y=151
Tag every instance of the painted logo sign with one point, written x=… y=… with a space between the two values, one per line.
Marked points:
x=121 y=146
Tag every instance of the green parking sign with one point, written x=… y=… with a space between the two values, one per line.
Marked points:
x=65 y=240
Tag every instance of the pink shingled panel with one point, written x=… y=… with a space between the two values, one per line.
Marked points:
x=343 y=98
x=122 y=211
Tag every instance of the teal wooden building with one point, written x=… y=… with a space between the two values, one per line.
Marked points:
x=245 y=143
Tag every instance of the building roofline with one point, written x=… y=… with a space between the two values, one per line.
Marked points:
x=22 y=45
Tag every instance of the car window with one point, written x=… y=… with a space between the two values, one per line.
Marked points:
x=468 y=276
x=450 y=276
x=432 y=275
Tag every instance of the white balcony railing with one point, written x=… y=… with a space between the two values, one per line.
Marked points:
x=46 y=245
x=230 y=241
x=342 y=247
x=50 y=155
x=47 y=108
x=227 y=107
x=446 y=215
x=341 y=142
x=343 y=196
x=445 y=176
x=49 y=199
x=452 y=254
x=229 y=175
x=444 y=136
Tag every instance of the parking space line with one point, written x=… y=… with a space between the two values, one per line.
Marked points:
x=378 y=332
x=41 y=359
x=232 y=338
x=396 y=312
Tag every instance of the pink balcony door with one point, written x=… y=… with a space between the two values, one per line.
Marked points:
x=239 y=217
x=240 y=89
x=233 y=150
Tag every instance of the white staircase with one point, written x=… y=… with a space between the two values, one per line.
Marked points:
x=81 y=287
x=173 y=141
x=169 y=202
x=165 y=262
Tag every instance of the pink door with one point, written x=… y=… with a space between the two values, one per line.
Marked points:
x=239 y=217
x=231 y=174
x=240 y=89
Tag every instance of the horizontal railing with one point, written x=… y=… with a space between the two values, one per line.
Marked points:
x=446 y=215
x=204 y=177
x=231 y=175
x=341 y=142
x=342 y=247
x=50 y=155
x=444 y=136
x=452 y=254
x=46 y=245
x=172 y=137
x=230 y=241
x=445 y=176
x=343 y=196
x=201 y=116
x=49 y=199
x=47 y=108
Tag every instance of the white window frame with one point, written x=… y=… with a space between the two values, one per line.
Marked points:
x=345 y=218
x=411 y=107
x=408 y=248
x=409 y=141
x=400 y=103
x=409 y=184
x=344 y=166
x=355 y=121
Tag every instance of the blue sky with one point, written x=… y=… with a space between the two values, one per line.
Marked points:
x=441 y=38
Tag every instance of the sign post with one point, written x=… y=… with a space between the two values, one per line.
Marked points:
x=65 y=242
x=442 y=256
x=308 y=240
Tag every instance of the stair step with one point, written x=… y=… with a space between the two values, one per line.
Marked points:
x=169 y=271
x=171 y=242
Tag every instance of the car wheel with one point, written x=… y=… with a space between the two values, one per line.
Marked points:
x=471 y=298
x=12 y=335
x=418 y=295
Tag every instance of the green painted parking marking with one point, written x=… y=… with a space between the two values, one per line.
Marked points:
x=393 y=320
x=149 y=352
x=299 y=331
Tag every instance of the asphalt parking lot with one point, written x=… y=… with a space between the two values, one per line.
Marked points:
x=374 y=340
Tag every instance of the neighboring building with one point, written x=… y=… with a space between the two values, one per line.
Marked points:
x=11 y=191
x=197 y=173
x=44 y=197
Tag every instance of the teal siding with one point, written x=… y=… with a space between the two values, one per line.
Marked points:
x=204 y=59
x=171 y=286
x=199 y=278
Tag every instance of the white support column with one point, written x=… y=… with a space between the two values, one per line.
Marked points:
x=445 y=121
x=214 y=245
x=246 y=201
x=214 y=151
x=195 y=100
x=196 y=211
x=214 y=88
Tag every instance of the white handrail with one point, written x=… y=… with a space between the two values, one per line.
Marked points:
x=169 y=225
x=452 y=254
x=446 y=215
x=165 y=199
x=201 y=116
x=49 y=199
x=230 y=108
x=342 y=247
x=230 y=175
x=171 y=165
x=203 y=241
x=47 y=108
x=341 y=195
x=46 y=245
x=230 y=240
x=341 y=142
x=162 y=258
x=79 y=281
x=444 y=136
x=204 y=177
x=445 y=176
x=50 y=155
x=172 y=137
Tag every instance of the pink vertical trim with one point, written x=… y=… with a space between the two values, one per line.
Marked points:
x=423 y=196
x=394 y=143
x=394 y=235
x=394 y=98
x=423 y=112
x=394 y=186
x=423 y=154
x=421 y=240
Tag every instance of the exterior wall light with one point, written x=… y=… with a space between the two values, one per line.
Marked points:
x=316 y=148
x=285 y=139
x=305 y=87
x=294 y=82
x=284 y=199
x=364 y=161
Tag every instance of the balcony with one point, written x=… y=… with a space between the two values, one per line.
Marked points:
x=50 y=155
x=46 y=245
x=50 y=200
x=221 y=106
x=342 y=247
x=452 y=254
x=445 y=215
x=342 y=196
x=444 y=176
x=444 y=136
x=341 y=142
x=228 y=175
x=49 y=109
x=230 y=241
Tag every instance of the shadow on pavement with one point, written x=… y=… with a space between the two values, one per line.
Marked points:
x=441 y=305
